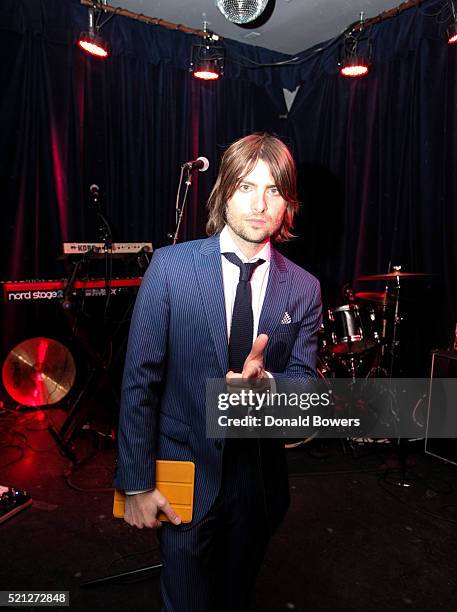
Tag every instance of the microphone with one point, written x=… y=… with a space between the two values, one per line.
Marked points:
x=94 y=192
x=201 y=164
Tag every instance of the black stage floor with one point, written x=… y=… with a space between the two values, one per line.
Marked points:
x=350 y=542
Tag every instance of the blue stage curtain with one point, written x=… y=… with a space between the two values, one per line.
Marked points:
x=127 y=124
x=376 y=155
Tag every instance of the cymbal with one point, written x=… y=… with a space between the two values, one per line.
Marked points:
x=38 y=372
x=373 y=296
x=393 y=275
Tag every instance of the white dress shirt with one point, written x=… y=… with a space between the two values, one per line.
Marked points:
x=231 y=276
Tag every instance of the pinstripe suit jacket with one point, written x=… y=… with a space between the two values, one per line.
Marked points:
x=178 y=339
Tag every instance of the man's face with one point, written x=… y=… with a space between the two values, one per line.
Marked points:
x=256 y=210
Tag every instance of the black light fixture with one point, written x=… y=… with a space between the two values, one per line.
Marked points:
x=355 y=52
x=91 y=41
x=451 y=31
x=207 y=59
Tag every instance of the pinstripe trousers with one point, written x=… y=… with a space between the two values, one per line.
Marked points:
x=212 y=566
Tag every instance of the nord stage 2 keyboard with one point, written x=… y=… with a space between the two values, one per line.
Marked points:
x=45 y=290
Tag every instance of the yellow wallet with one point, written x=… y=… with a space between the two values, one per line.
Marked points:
x=175 y=479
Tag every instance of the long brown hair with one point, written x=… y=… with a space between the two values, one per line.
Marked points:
x=238 y=161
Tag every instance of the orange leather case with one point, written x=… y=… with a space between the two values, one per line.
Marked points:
x=175 y=479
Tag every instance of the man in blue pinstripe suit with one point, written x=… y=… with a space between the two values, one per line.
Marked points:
x=179 y=337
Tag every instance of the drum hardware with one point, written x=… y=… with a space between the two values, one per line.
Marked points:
x=399 y=476
x=364 y=329
x=351 y=341
x=353 y=365
x=351 y=331
x=344 y=365
x=390 y=298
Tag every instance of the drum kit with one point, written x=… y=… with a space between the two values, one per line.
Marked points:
x=361 y=338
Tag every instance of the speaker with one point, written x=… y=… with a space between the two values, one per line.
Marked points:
x=444 y=365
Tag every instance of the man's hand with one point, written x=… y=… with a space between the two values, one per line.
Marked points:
x=141 y=509
x=253 y=366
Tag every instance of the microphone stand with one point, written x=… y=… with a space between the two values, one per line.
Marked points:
x=106 y=236
x=97 y=362
x=143 y=572
x=180 y=207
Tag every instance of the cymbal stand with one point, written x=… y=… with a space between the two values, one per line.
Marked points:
x=396 y=323
x=384 y=324
x=352 y=368
x=402 y=480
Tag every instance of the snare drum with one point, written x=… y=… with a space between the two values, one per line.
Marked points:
x=351 y=330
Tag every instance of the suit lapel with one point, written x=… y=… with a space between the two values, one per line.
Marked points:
x=276 y=295
x=208 y=269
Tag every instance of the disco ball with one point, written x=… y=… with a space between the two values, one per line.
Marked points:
x=241 y=11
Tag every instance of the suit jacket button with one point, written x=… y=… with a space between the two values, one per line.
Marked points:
x=218 y=444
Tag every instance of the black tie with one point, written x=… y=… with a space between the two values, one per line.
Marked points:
x=242 y=328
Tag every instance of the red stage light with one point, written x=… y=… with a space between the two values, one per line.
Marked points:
x=95 y=45
x=354 y=71
x=207 y=70
x=452 y=33
x=206 y=75
x=354 y=66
